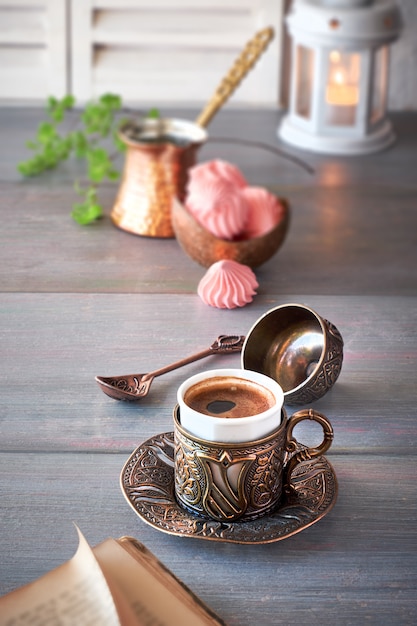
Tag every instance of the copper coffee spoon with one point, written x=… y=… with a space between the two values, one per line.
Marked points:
x=133 y=387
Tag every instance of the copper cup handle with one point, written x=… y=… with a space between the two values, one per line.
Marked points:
x=305 y=454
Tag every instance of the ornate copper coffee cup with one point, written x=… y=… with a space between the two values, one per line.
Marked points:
x=240 y=481
x=298 y=348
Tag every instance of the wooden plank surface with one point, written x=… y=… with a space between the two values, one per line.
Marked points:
x=352 y=223
x=356 y=566
x=54 y=345
x=64 y=443
x=340 y=241
x=76 y=302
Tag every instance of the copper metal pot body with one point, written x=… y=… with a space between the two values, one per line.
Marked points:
x=158 y=157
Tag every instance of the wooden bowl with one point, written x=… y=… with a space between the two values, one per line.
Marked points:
x=206 y=249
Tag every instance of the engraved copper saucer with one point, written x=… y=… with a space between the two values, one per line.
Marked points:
x=147 y=482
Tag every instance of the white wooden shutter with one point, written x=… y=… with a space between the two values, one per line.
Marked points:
x=171 y=51
x=33 y=50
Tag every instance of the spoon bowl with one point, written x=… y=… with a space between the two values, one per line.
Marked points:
x=129 y=388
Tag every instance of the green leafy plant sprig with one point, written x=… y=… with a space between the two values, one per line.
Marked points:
x=51 y=146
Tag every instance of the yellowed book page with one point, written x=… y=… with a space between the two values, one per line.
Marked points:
x=75 y=593
x=154 y=595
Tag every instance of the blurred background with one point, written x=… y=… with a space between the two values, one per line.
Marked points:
x=161 y=52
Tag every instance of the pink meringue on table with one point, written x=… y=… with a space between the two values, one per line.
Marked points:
x=214 y=198
x=265 y=211
x=227 y=284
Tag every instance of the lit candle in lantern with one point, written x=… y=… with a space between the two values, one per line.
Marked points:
x=339 y=90
x=342 y=91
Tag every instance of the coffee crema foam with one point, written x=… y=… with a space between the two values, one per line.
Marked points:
x=229 y=397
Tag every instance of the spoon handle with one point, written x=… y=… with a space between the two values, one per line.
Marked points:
x=224 y=344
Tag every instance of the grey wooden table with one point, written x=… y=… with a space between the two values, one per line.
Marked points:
x=80 y=301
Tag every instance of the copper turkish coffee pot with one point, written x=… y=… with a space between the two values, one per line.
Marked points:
x=161 y=151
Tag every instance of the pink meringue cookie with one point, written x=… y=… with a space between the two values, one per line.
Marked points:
x=214 y=198
x=217 y=168
x=228 y=171
x=227 y=284
x=265 y=211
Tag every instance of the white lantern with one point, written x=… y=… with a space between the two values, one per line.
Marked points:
x=339 y=76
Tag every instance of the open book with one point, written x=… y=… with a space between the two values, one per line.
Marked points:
x=119 y=582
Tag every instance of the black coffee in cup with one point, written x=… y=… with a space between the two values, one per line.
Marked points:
x=229 y=397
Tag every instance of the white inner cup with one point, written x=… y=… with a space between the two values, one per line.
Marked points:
x=232 y=429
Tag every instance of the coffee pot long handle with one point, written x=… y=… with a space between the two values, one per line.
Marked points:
x=244 y=62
